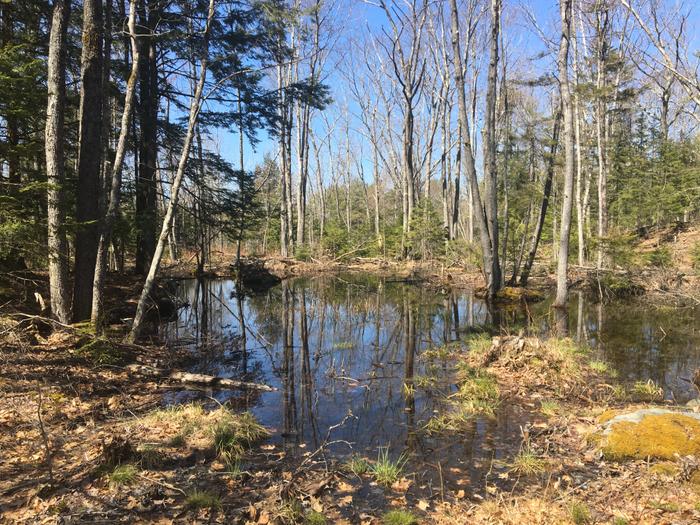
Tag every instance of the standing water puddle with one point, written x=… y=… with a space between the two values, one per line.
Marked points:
x=335 y=346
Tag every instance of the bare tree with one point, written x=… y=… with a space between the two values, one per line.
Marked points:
x=490 y=268
x=408 y=64
x=656 y=30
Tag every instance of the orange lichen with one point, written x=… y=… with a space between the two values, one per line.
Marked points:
x=662 y=436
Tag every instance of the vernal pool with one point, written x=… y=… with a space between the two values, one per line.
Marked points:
x=349 y=356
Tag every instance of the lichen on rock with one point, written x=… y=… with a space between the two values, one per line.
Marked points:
x=651 y=433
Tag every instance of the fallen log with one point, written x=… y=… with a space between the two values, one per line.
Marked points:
x=196 y=379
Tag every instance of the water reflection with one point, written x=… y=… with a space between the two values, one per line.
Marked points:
x=354 y=345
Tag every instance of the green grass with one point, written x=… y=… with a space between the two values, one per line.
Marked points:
x=602 y=367
x=315 y=518
x=234 y=433
x=478 y=394
x=399 y=517
x=580 y=513
x=478 y=343
x=647 y=391
x=150 y=456
x=201 y=499
x=357 y=465
x=177 y=441
x=526 y=463
x=695 y=257
x=232 y=463
x=387 y=471
x=550 y=408
x=619 y=520
x=123 y=475
x=666 y=507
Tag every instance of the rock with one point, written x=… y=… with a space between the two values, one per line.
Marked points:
x=651 y=433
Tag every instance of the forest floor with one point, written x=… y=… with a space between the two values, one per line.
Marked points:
x=83 y=440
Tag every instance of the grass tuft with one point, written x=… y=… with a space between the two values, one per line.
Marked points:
x=387 y=471
x=357 y=465
x=580 y=513
x=315 y=518
x=550 y=408
x=647 y=391
x=201 y=499
x=399 y=517
x=150 y=456
x=526 y=463
x=602 y=367
x=123 y=475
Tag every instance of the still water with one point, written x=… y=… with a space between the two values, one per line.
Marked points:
x=341 y=349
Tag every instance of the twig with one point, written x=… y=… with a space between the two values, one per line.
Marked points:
x=45 y=438
x=162 y=483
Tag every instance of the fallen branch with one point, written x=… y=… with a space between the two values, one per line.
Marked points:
x=196 y=379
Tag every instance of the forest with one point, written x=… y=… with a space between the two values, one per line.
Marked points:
x=349 y=261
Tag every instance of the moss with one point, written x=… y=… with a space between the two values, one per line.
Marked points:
x=100 y=351
x=660 y=436
x=665 y=468
x=511 y=294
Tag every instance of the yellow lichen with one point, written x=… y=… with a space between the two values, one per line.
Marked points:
x=661 y=436
x=607 y=415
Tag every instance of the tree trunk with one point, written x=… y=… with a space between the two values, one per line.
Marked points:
x=162 y=239
x=97 y=314
x=490 y=172
x=568 y=198
x=492 y=284
x=537 y=234
x=601 y=132
x=89 y=159
x=55 y=169
x=146 y=204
